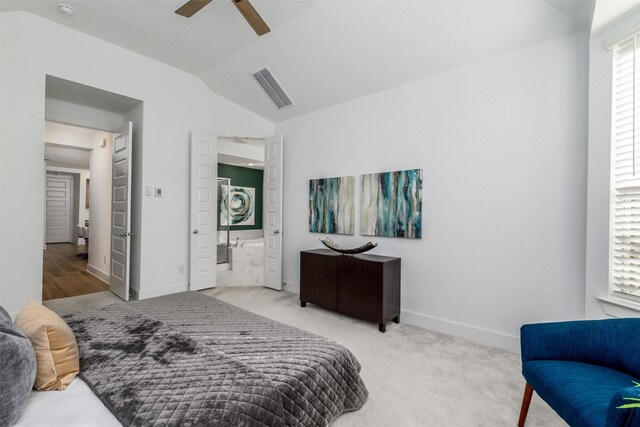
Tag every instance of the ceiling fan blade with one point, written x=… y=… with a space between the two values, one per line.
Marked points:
x=252 y=17
x=191 y=7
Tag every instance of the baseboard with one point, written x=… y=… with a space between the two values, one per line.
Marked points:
x=165 y=290
x=294 y=288
x=105 y=277
x=472 y=333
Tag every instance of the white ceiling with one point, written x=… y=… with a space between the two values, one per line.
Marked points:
x=322 y=52
x=608 y=11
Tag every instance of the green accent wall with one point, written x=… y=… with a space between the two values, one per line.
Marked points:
x=245 y=177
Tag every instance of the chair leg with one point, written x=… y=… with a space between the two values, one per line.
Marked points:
x=526 y=401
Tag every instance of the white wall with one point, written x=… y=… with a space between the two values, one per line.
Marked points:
x=503 y=146
x=71 y=136
x=174 y=104
x=81 y=115
x=600 y=113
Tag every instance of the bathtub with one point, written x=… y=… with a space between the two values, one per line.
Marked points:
x=251 y=243
x=246 y=264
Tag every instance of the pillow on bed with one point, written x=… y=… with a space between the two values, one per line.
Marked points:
x=55 y=345
x=17 y=370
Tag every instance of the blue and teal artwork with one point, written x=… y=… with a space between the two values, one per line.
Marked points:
x=332 y=205
x=391 y=204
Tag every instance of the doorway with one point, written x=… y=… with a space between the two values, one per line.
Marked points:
x=77 y=161
x=207 y=229
x=79 y=143
x=240 y=211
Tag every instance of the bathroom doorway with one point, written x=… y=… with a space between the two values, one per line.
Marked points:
x=240 y=211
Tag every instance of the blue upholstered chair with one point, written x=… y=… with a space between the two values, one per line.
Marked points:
x=587 y=371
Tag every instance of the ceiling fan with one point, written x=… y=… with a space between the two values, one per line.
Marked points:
x=191 y=7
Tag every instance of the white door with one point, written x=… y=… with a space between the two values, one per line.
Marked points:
x=121 y=211
x=204 y=168
x=273 y=212
x=58 y=213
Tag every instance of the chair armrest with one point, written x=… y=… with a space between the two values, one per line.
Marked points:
x=624 y=408
x=589 y=341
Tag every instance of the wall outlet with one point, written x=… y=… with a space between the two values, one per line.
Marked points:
x=181 y=269
x=158 y=192
x=105 y=260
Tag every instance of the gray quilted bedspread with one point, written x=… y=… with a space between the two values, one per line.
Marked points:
x=191 y=360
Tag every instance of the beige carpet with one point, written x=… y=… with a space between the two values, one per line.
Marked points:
x=415 y=377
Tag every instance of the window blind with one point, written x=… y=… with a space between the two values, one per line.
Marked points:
x=625 y=170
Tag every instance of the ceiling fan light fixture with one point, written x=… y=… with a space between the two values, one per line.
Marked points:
x=245 y=8
x=65 y=9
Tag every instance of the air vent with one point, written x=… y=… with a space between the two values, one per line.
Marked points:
x=272 y=88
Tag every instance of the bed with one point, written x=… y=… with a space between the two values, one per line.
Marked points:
x=190 y=359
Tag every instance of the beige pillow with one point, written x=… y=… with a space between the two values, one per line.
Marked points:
x=55 y=345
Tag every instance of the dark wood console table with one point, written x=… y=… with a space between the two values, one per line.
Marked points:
x=363 y=286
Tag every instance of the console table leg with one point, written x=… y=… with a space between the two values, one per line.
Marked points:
x=396 y=319
x=303 y=304
x=382 y=327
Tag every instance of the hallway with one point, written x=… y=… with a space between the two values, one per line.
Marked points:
x=65 y=275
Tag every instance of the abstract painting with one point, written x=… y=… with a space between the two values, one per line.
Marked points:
x=332 y=205
x=391 y=204
x=241 y=204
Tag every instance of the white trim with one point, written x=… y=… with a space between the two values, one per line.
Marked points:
x=165 y=290
x=94 y=271
x=619 y=307
x=472 y=333
x=294 y=288
x=236 y=133
x=625 y=35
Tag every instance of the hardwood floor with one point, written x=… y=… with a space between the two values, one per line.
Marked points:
x=65 y=275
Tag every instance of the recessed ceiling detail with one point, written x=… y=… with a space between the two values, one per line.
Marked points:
x=272 y=88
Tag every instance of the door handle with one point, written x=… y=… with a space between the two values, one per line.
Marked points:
x=195 y=231
x=276 y=231
x=123 y=234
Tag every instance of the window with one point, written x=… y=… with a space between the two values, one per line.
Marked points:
x=625 y=171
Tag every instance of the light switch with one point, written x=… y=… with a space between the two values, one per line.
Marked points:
x=158 y=192
x=149 y=190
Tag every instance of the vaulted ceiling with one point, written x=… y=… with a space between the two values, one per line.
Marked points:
x=322 y=52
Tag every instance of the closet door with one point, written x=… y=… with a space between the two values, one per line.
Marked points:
x=58 y=203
